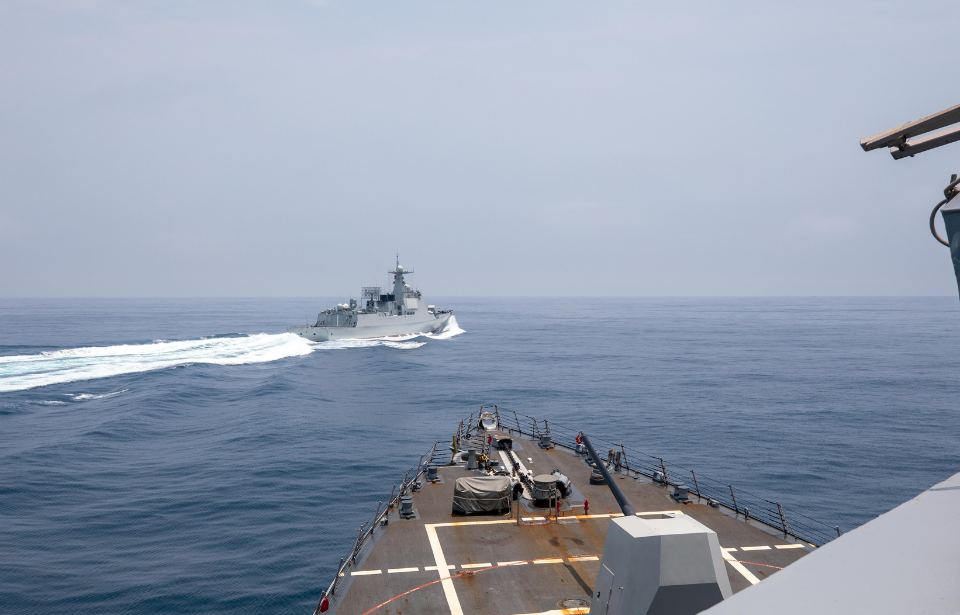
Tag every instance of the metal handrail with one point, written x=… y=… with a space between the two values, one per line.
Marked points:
x=373 y=524
x=763 y=510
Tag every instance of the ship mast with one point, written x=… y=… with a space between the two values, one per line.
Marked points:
x=399 y=287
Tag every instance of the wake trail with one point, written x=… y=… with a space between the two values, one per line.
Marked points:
x=21 y=372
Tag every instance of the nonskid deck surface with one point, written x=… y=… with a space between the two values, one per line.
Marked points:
x=510 y=569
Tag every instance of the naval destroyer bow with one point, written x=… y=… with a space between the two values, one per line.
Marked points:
x=402 y=312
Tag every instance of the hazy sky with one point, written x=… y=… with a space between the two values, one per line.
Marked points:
x=505 y=148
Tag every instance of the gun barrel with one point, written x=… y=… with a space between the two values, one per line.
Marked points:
x=621 y=499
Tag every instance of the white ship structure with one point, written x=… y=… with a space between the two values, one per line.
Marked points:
x=400 y=313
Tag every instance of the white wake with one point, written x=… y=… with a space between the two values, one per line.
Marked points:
x=410 y=341
x=56 y=367
x=21 y=372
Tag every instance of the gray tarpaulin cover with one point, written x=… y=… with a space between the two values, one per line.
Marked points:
x=482 y=494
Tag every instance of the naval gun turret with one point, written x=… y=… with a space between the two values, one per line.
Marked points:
x=668 y=564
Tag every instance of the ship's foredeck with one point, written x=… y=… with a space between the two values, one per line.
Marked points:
x=491 y=565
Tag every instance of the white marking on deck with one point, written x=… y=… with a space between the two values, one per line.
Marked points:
x=755 y=548
x=557 y=560
x=458 y=523
x=435 y=568
x=589 y=558
x=730 y=559
x=449 y=591
x=517 y=563
x=360 y=573
x=576 y=609
x=789 y=546
x=639 y=514
x=532 y=518
x=484 y=565
x=395 y=570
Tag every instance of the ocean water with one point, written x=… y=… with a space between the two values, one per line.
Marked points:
x=187 y=456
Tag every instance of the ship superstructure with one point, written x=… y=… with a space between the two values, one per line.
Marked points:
x=398 y=313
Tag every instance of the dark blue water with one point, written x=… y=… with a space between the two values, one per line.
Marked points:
x=235 y=486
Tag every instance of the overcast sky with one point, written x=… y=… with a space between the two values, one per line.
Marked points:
x=504 y=148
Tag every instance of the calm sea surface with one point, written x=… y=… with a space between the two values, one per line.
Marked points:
x=226 y=468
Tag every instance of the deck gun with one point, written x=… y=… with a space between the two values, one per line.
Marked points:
x=669 y=563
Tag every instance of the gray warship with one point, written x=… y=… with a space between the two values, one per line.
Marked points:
x=595 y=536
x=400 y=313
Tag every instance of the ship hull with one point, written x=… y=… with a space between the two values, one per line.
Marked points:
x=398 y=326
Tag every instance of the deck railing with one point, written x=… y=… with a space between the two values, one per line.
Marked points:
x=632 y=462
x=371 y=530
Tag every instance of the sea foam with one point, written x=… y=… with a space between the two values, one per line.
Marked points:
x=21 y=372
x=75 y=364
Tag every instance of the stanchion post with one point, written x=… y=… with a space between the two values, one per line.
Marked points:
x=783 y=520
x=376 y=515
x=356 y=547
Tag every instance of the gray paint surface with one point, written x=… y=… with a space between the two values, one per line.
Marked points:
x=951 y=220
x=905 y=561
x=404 y=312
x=668 y=565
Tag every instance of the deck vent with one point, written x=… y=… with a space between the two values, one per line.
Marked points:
x=681 y=493
x=472 y=459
